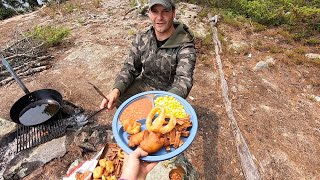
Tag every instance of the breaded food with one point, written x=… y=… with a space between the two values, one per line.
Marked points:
x=131 y=126
x=134 y=140
x=151 y=142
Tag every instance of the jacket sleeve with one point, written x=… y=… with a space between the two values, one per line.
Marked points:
x=131 y=68
x=183 y=79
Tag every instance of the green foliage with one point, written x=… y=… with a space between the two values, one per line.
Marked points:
x=207 y=40
x=50 y=35
x=299 y=51
x=317 y=61
x=230 y=18
x=6 y=13
x=204 y=13
x=132 y=3
x=69 y=7
x=312 y=41
x=300 y=17
x=258 y=27
x=131 y=32
x=266 y=12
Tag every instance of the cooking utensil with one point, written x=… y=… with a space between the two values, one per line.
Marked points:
x=98 y=90
x=101 y=94
x=34 y=107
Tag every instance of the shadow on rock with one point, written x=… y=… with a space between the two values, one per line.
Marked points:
x=209 y=130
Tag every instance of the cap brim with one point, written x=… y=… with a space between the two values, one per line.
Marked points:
x=164 y=5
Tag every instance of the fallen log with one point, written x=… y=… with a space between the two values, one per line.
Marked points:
x=249 y=168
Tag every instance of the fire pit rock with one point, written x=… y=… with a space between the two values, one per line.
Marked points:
x=27 y=161
x=6 y=127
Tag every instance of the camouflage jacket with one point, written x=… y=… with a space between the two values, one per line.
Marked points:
x=168 y=68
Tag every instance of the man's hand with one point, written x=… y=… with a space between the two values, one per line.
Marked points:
x=110 y=102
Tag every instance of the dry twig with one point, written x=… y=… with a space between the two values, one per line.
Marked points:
x=26 y=56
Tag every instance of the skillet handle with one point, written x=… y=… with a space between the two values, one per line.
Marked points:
x=9 y=68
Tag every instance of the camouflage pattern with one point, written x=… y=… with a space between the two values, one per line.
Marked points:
x=168 y=68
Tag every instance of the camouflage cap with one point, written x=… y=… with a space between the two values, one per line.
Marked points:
x=168 y=4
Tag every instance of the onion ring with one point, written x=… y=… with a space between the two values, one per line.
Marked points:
x=120 y=153
x=171 y=124
x=157 y=124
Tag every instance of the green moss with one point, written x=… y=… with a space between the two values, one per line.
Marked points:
x=207 y=40
x=80 y=21
x=317 y=61
x=230 y=18
x=204 y=13
x=131 y=32
x=109 y=12
x=312 y=41
x=69 y=7
x=297 y=59
x=274 y=49
x=132 y=3
x=204 y=59
x=299 y=51
x=258 y=27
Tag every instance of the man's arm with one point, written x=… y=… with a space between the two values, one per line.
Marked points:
x=131 y=68
x=183 y=79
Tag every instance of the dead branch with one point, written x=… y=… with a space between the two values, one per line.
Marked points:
x=20 y=56
x=26 y=56
x=141 y=9
x=36 y=47
x=130 y=10
x=144 y=9
x=34 y=70
x=25 y=73
x=248 y=166
x=6 y=81
x=30 y=66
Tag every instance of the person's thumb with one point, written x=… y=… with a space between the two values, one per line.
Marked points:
x=140 y=152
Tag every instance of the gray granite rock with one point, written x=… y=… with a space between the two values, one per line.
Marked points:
x=260 y=65
x=27 y=161
x=312 y=56
x=238 y=46
x=267 y=62
x=6 y=127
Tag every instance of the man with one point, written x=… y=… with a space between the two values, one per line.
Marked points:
x=162 y=58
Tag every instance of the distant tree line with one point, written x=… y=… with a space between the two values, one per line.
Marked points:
x=9 y=8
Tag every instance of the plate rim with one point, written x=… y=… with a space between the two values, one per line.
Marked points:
x=169 y=155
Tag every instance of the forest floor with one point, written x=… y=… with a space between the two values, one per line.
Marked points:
x=276 y=107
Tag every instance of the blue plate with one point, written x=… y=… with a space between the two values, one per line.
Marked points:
x=121 y=136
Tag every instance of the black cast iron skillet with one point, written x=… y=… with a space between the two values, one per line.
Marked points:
x=35 y=107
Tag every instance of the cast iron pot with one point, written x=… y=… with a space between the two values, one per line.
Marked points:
x=35 y=107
